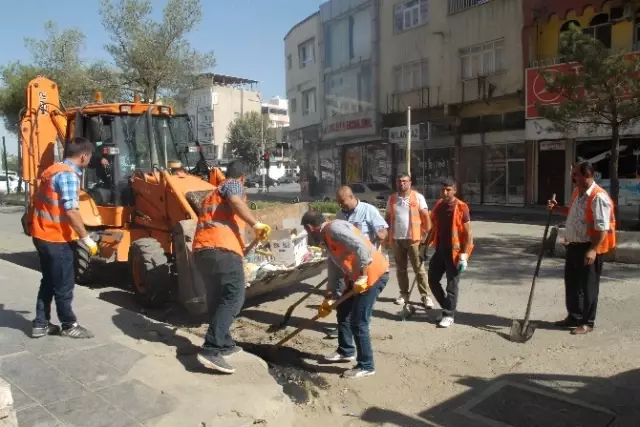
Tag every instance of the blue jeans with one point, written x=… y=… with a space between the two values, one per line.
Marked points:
x=354 y=316
x=223 y=274
x=58 y=280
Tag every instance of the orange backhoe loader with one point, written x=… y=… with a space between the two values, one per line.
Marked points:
x=139 y=205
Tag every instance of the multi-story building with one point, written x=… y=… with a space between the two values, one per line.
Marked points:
x=458 y=65
x=276 y=112
x=617 y=25
x=217 y=102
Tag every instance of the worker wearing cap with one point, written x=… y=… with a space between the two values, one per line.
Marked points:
x=56 y=226
x=219 y=251
x=365 y=272
x=369 y=221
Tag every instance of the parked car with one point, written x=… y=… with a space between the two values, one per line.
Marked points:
x=13 y=183
x=375 y=193
x=256 y=182
x=287 y=179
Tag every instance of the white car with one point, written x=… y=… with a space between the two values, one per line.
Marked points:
x=13 y=183
x=375 y=193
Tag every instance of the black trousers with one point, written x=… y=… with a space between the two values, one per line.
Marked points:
x=223 y=273
x=581 y=284
x=441 y=264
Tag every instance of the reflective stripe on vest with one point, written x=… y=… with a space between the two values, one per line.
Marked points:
x=415 y=217
x=609 y=241
x=347 y=260
x=458 y=233
x=49 y=220
x=218 y=226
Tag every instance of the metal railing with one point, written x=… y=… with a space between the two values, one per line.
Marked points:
x=456 y=6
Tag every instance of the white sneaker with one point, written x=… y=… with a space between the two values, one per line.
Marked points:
x=400 y=300
x=427 y=302
x=446 y=322
x=337 y=357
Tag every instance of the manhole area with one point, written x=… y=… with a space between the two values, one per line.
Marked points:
x=518 y=407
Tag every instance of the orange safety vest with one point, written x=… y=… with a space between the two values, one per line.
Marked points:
x=417 y=219
x=347 y=261
x=218 y=226
x=49 y=220
x=458 y=233
x=609 y=241
x=216 y=177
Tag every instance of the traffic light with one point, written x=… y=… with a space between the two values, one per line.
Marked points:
x=266 y=158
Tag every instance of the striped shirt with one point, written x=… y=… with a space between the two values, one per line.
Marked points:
x=67 y=185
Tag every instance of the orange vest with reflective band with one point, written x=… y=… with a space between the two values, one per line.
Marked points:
x=49 y=220
x=216 y=177
x=609 y=241
x=218 y=226
x=458 y=233
x=348 y=261
x=417 y=220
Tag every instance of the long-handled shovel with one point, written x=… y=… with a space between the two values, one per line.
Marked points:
x=307 y=323
x=289 y=312
x=523 y=331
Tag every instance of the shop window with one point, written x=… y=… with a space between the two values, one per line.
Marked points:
x=600 y=29
x=514 y=120
x=492 y=123
x=471 y=174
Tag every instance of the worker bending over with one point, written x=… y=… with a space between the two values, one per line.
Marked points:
x=453 y=241
x=55 y=228
x=365 y=272
x=219 y=250
x=409 y=223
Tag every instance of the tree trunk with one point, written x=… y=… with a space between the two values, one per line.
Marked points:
x=613 y=165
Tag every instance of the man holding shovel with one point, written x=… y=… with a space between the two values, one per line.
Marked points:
x=453 y=241
x=365 y=271
x=590 y=233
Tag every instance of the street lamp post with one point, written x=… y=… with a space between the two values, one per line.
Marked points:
x=264 y=178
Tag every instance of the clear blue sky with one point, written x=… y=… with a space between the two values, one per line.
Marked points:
x=245 y=35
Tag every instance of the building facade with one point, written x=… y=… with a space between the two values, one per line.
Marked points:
x=617 y=25
x=276 y=112
x=214 y=105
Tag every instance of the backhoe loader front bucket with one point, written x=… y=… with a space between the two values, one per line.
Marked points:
x=191 y=289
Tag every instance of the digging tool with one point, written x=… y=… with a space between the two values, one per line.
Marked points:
x=287 y=315
x=523 y=331
x=307 y=323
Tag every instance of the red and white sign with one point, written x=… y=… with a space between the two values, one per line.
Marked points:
x=536 y=89
x=356 y=125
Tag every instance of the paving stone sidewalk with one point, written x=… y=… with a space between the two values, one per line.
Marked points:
x=135 y=372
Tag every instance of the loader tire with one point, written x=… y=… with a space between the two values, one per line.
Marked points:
x=82 y=264
x=150 y=272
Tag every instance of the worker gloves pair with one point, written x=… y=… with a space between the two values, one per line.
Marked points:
x=91 y=245
x=262 y=231
x=360 y=286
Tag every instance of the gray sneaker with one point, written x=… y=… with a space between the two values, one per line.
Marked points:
x=41 y=331
x=357 y=373
x=232 y=351
x=213 y=361
x=76 y=331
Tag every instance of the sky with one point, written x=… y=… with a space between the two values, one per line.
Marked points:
x=246 y=36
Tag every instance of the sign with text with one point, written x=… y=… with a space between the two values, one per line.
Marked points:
x=349 y=126
x=419 y=132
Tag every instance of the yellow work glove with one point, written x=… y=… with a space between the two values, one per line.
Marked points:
x=361 y=285
x=325 y=308
x=91 y=245
x=262 y=231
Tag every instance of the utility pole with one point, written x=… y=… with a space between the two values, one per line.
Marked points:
x=6 y=165
x=409 y=141
x=264 y=179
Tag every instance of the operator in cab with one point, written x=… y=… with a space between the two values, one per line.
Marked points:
x=219 y=250
x=55 y=228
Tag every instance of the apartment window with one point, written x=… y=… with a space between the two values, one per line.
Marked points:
x=460 y=5
x=307 y=53
x=411 y=76
x=600 y=29
x=293 y=105
x=308 y=102
x=289 y=62
x=410 y=14
x=482 y=60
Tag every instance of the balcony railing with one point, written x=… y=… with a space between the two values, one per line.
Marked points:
x=456 y=6
x=561 y=59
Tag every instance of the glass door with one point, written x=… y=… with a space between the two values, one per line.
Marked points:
x=515 y=182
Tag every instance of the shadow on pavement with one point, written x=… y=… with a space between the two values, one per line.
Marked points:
x=530 y=400
x=13 y=319
x=28 y=260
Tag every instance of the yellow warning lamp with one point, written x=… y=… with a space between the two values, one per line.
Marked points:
x=97 y=97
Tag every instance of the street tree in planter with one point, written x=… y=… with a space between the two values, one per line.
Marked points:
x=245 y=138
x=602 y=90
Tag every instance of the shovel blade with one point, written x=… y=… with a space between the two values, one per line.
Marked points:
x=519 y=333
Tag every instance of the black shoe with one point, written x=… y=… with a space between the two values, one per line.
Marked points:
x=231 y=351
x=569 y=322
x=213 y=361
x=331 y=332
x=76 y=331
x=41 y=331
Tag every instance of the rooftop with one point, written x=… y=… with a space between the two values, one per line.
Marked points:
x=222 y=79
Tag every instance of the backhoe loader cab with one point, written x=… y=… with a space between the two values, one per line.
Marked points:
x=137 y=201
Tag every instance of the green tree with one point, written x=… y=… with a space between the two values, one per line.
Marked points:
x=245 y=138
x=15 y=78
x=154 y=57
x=603 y=90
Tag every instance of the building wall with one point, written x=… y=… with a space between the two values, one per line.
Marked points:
x=232 y=103
x=300 y=79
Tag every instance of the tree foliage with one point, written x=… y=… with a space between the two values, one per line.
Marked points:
x=601 y=90
x=245 y=138
x=154 y=56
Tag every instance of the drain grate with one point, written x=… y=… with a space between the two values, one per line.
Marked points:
x=515 y=405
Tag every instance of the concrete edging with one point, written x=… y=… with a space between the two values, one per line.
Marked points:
x=627 y=250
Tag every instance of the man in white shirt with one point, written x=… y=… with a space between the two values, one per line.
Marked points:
x=590 y=233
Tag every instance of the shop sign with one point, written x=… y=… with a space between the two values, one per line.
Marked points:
x=539 y=129
x=419 y=132
x=552 y=146
x=346 y=127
